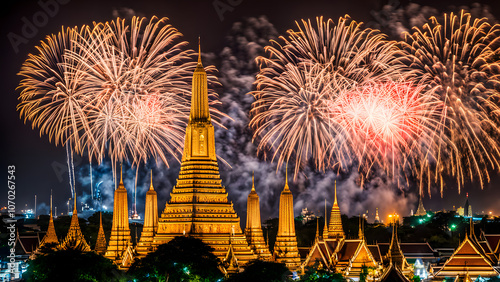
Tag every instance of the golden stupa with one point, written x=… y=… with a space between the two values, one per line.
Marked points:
x=100 y=245
x=150 y=221
x=119 y=248
x=335 y=229
x=253 y=230
x=198 y=206
x=50 y=237
x=285 y=247
x=74 y=239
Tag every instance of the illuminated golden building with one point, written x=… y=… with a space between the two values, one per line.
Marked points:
x=120 y=243
x=285 y=247
x=50 y=237
x=74 y=239
x=100 y=245
x=150 y=221
x=335 y=229
x=198 y=204
x=253 y=230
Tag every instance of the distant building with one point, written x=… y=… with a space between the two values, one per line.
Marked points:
x=467 y=207
x=460 y=211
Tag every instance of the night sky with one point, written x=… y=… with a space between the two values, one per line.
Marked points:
x=40 y=166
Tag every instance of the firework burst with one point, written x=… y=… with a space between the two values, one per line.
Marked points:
x=385 y=123
x=314 y=65
x=458 y=62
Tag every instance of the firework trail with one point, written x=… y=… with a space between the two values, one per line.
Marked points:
x=457 y=60
x=288 y=116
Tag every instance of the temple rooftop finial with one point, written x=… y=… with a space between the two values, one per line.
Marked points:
x=253 y=181
x=199 y=51
x=151 y=183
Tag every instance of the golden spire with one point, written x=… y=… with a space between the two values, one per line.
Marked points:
x=335 y=229
x=74 y=239
x=151 y=185
x=253 y=230
x=120 y=239
x=317 y=229
x=285 y=248
x=360 y=232
x=121 y=174
x=325 y=229
x=74 y=205
x=286 y=179
x=253 y=182
x=100 y=245
x=199 y=52
x=335 y=201
x=50 y=236
x=150 y=221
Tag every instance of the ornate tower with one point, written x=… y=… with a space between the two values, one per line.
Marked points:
x=100 y=244
x=150 y=221
x=335 y=229
x=120 y=242
x=253 y=230
x=50 y=237
x=285 y=248
x=420 y=210
x=198 y=204
x=377 y=218
x=74 y=239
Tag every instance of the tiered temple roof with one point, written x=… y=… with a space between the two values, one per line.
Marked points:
x=468 y=260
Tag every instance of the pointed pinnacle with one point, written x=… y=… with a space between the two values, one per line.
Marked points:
x=151 y=185
x=121 y=174
x=286 y=178
x=74 y=207
x=199 y=51
x=253 y=181
x=335 y=202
